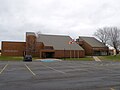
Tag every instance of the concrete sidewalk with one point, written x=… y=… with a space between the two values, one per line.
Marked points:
x=50 y=59
x=96 y=58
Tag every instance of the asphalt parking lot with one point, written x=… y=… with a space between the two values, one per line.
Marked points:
x=61 y=75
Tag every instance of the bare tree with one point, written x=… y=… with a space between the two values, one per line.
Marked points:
x=102 y=34
x=30 y=44
x=109 y=35
x=38 y=34
x=114 y=35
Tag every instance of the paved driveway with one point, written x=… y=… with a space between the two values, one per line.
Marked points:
x=63 y=75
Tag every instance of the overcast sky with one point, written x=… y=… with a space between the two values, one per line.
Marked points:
x=67 y=17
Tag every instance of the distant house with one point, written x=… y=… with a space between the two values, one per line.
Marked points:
x=92 y=46
x=111 y=51
x=44 y=46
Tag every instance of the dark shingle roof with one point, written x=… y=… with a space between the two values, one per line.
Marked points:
x=58 y=42
x=92 y=41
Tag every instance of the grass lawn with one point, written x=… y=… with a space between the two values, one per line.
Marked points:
x=10 y=58
x=112 y=58
x=79 y=59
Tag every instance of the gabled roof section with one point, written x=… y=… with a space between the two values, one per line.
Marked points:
x=93 y=42
x=58 y=42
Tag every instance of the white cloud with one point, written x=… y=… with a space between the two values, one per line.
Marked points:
x=71 y=17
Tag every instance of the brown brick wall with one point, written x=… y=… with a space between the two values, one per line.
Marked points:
x=13 y=48
x=38 y=47
x=30 y=44
x=88 y=49
x=68 y=53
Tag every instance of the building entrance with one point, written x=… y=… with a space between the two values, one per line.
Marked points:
x=49 y=54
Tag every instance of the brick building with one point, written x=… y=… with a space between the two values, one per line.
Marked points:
x=92 y=46
x=44 y=46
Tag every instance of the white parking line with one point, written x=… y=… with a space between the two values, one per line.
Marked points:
x=3 y=68
x=96 y=58
x=112 y=89
x=54 y=69
x=30 y=70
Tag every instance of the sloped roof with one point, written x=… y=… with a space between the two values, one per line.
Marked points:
x=93 y=42
x=58 y=42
